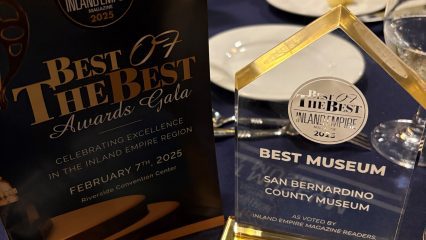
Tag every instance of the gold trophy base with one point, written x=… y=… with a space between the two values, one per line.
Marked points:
x=235 y=231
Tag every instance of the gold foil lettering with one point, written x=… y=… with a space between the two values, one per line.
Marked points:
x=150 y=81
x=69 y=99
x=146 y=46
x=99 y=66
x=186 y=64
x=169 y=75
x=96 y=91
x=57 y=66
x=76 y=84
x=112 y=56
x=124 y=78
x=35 y=96
x=81 y=68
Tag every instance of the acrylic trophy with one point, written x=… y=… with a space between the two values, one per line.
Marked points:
x=312 y=173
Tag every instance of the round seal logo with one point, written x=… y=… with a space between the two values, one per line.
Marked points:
x=328 y=110
x=95 y=13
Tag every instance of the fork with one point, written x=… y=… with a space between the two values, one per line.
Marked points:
x=220 y=121
x=360 y=140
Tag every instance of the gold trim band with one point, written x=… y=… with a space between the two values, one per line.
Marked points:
x=338 y=17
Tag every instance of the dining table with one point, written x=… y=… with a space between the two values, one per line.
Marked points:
x=224 y=15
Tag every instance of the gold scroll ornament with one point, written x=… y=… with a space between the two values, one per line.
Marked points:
x=14 y=38
x=338 y=17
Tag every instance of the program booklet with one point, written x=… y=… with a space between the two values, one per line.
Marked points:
x=105 y=120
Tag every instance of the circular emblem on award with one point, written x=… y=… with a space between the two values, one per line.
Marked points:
x=96 y=13
x=328 y=110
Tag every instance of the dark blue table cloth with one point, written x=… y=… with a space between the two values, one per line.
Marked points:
x=228 y=14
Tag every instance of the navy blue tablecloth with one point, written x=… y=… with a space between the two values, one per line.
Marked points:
x=228 y=14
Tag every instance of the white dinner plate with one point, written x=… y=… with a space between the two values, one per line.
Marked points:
x=316 y=8
x=233 y=49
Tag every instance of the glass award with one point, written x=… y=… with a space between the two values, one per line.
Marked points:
x=305 y=165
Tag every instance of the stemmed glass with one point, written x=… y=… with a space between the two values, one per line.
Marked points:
x=405 y=34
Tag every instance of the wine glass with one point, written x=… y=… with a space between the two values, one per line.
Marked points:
x=405 y=33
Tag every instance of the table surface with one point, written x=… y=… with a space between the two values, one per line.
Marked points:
x=228 y=14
